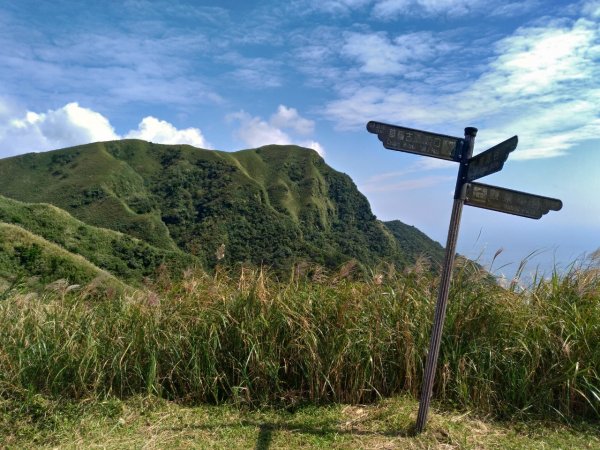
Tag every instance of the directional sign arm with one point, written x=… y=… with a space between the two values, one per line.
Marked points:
x=416 y=141
x=492 y=160
x=509 y=201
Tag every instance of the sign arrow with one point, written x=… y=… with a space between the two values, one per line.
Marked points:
x=417 y=141
x=490 y=161
x=509 y=201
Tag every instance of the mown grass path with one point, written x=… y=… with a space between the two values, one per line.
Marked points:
x=150 y=423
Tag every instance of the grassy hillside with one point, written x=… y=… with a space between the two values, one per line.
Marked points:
x=415 y=242
x=25 y=256
x=86 y=181
x=123 y=256
x=274 y=205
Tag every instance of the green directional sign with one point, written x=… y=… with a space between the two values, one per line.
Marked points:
x=416 y=141
x=492 y=160
x=509 y=201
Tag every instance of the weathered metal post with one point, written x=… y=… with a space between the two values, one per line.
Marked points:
x=440 y=307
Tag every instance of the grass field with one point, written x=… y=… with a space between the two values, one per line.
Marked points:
x=323 y=359
x=151 y=423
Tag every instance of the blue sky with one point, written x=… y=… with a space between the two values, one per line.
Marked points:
x=229 y=75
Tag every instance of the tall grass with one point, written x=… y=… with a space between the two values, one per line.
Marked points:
x=318 y=338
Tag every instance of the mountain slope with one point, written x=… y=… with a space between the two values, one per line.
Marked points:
x=416 y=242
x=273 y=205
x=26 y=255
x=125 y=257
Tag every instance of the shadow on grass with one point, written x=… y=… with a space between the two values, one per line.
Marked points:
x=265 y=436
x=267 y=429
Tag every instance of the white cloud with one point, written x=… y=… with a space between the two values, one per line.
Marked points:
x=537 y=60
x=149 y=64
x=314 y=145
x=256 y=132
x=390 y=9
x=542 y=84
x=75 y=125
x=259 y=73
x=506 y=9
x=380 y=55
x=375 y=53
x=160 y=131
x=337 y=6
x=289 y=118
x=592 y=8
x=63 y=127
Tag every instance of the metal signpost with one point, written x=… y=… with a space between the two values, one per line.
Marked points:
x=473 y=194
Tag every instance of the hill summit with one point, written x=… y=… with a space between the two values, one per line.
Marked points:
x=274 y=205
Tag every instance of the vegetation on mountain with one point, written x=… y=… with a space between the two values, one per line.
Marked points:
x=25 y=257
x=42 y=227
x=274 y=206
x=415 y=242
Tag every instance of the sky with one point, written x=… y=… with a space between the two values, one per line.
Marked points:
x=229 y=75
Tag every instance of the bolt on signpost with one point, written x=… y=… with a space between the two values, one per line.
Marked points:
x=473 y=194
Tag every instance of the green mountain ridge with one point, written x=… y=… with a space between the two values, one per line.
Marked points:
x=24 y=255
x=415 y=242
x=126 y=257
x=274 y=205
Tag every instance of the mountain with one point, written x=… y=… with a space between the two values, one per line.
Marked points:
x=126 y=257
x=414 y=242
x=181 y=205
x=25 y=256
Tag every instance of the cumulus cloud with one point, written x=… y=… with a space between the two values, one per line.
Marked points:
x=160 y=131
x=289 y=118
x=314 y=145
x=256 y=132
x=73 y=124
x=63 y=127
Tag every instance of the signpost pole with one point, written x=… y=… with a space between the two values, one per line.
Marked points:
x=440 y=308
x=469 y=193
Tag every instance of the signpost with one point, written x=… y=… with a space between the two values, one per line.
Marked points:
x=473 y=194
x=492 y=160
x=417 y=141
x=509 y=201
